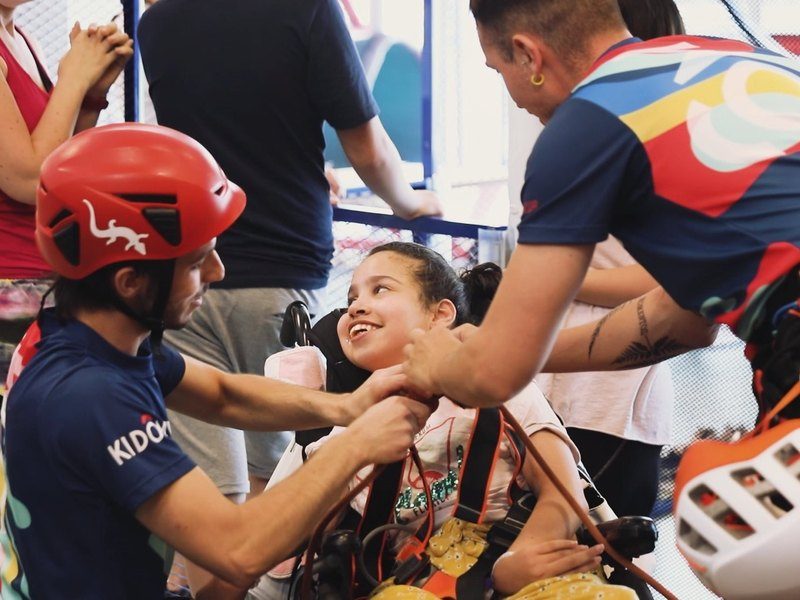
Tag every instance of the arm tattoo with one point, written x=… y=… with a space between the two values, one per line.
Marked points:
x=643 y=329
x=600 y=324
x=640 y=354
x=644 y=355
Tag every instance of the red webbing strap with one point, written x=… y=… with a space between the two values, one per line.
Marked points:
x=441 y=585
x=582 y=515
x=787 y=399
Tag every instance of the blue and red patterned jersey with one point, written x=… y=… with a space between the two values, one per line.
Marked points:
x=688 y=150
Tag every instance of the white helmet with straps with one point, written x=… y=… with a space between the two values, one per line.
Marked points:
x=737 y=513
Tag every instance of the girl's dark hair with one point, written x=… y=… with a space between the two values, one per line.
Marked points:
x=648 y=19
x=480 y=284
x=96 y=291
x=471 y=293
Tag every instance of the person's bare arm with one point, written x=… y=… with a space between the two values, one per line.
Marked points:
x=263 y=404
x=641 y=332
x=501 y=356
x=376 y=160
x=240 y=542
x=612 y=287
x=219 y=589
x=545 y=547
x=22 y=152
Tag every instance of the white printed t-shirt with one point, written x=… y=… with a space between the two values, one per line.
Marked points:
x=441 y=444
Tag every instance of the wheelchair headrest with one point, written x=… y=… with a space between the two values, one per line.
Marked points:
x=342 y=375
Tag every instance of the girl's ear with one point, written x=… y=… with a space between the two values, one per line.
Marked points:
x=444 y=313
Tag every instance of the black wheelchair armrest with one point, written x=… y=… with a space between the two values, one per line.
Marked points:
x=630 y=536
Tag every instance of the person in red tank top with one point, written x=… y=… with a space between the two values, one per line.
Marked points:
x=37 y=116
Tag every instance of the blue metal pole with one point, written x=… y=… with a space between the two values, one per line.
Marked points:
x=427 y=92
x=130 y=10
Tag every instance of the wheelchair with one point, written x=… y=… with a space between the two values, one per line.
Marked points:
x=347 y=566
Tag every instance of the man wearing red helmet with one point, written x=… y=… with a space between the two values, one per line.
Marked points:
x=128 y=216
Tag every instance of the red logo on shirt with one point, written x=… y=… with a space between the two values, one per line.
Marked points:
x=431 y=476
x=528 y=206
x=145 y=418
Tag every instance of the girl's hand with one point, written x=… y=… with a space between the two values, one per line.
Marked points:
x=542 y=560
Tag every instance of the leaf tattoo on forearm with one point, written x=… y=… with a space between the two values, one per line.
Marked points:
x=644 y=354
x=640 y=353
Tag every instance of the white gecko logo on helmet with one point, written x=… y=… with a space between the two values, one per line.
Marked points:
x=113 y=232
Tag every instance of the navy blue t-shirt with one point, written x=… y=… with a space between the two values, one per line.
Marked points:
x=86 y=442
x=253 y=81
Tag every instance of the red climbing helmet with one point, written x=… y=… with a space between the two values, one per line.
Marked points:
x=130 y=191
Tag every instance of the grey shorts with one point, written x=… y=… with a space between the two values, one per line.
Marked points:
x=235 y=331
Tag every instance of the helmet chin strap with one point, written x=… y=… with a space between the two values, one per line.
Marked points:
x=154 y=318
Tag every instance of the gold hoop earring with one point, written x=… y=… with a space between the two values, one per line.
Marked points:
x=537 y=79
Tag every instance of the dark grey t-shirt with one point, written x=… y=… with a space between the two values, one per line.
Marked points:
x=253 y=81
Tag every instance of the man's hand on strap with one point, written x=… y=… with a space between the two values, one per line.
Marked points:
x=380 y=385
x=384 y=433
x=423 y=355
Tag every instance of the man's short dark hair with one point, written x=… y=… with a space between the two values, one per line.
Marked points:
x=96 y=292
x=564 y=25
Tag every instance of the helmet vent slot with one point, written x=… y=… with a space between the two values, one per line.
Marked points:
x=67 y=240
x=762 y=489
x=219 y=191
x=716 y=508
x=696 y=541
x=63 y=214
x=166 y=221
x=789 y=457
x=150 y=198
